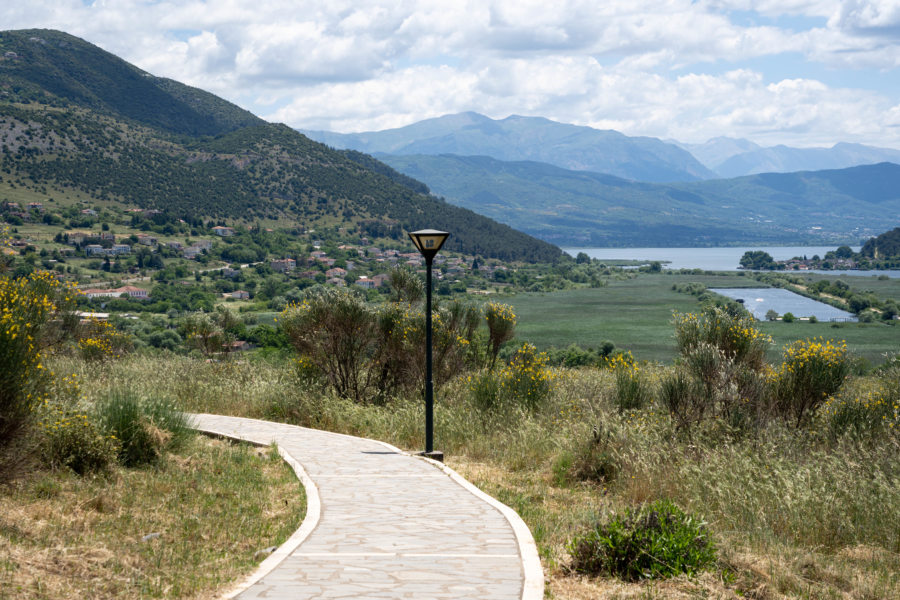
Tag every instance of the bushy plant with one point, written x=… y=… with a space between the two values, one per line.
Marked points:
x=71 y=439
x=35 y=313
x=811 y=371
x=144 y=429
x=99 y=340
x=368 y=353
x=526 y=381
x=870 y=414
x=484 y=390
x=597 y=458
x=632 y=390
x=657 y=541
x=501 y=323
x=721 y=372
x=734 y=335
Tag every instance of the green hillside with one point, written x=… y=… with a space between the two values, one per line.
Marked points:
x=76 y=121
x=582 y=208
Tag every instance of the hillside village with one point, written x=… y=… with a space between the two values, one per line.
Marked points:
x=111 y=253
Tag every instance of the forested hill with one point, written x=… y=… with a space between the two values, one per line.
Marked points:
x=884 y=247
x=76 y=119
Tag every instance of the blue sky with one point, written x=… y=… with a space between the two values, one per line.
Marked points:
x=795 y=72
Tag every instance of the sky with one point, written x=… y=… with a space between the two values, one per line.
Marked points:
x=794 y=72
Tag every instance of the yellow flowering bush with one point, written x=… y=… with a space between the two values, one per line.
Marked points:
x=632 y=391
x=34 y=310
x=70 y=439
x=734 y=335
x=872 y=412
x=101 y=340
x=501 y=323
x=811 y=371
x=526 y=380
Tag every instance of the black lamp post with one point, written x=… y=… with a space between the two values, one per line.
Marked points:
x=429 y=242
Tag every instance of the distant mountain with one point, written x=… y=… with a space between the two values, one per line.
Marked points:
x=530 y=138
x=579 y=208
x=735 y=157
x=78 y=121
x=715 y=151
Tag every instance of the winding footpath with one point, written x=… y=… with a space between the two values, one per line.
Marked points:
x=382 y=523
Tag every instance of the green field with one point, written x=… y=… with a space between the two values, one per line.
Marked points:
x=636 y=315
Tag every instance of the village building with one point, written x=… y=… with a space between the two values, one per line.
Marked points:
x=283 y=265
x=132 y=291
x=335 y=272
x=223 y=231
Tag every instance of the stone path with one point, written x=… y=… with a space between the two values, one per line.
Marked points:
x=381 y=523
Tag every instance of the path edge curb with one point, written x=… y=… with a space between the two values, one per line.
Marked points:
x=310 y=520
x=533 y=586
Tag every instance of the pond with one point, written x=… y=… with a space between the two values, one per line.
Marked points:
x=759 y=301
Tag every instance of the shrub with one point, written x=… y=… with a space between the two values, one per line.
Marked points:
x=632 y=391
x=71 y=439
x=733 y=334
x=876 y=412
x=722 y=371
x=143 y=429
x=787 y=317
x=335 y=331
x=812 y=370
x=484 y=390
x=657 y=541
x=35 y=313
x=526 y=381
x=100 y=340
x=501 y=323
x=596 y=459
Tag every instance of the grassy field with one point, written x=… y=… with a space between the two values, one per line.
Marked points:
x=794 y=514
x=636 y=315
x=64 y=536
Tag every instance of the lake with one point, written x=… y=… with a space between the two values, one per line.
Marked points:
x=759 y=301
x=717 y=259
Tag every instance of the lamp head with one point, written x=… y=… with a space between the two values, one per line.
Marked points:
x=428 y=241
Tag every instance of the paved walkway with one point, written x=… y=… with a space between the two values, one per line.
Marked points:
x=381 y=523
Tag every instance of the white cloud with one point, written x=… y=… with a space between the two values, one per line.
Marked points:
x=355 y=65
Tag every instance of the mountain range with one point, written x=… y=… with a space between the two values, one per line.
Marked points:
x=78 y=123
x=518 y=138
x=581 y=148
x=582 y=208
x=729 y=157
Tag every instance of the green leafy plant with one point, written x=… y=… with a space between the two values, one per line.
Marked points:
x=654 y=542
x=144 y=429
x=71 y=439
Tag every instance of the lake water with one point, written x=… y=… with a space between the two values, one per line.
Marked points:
x=717 y=259
x=759 y=301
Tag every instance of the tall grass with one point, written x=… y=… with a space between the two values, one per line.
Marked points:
x=819 y=492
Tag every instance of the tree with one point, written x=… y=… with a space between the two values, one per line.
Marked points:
x=788 y=317
x=582 y=258
x=771 y=315
x=844 y=252
x=758 y=260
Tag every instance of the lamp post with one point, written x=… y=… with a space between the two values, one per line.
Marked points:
x=429 y=242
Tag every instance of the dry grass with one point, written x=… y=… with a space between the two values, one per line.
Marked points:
x=213 y=506
x=794 y=515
